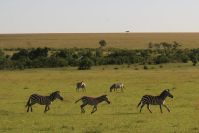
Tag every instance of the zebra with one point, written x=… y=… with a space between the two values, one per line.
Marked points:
x=92 y=101
x=81 y=85
x=43 y=100
x=155 y=100
x=116 y=86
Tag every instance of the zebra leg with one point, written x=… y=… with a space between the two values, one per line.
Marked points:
x=161 y=108
x=46 y=109
x=166 y=108
x=28 y=108
x=31 y=108
x=148 y=108
x=138 y=104
x=94 y=109
x=142 y=107
x=82 y=107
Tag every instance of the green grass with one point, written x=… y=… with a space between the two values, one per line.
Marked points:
x=90 y=40
x=120 y=116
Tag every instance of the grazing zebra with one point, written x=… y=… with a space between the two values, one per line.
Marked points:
x=155 y=100
x=92 y=101
x=81 y=85
x=43 y=100
x=116 y=86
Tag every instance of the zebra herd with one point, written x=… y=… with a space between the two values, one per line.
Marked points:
x=94 y=101
x=115 y=86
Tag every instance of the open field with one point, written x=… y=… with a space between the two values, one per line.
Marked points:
x=90 y=40
x=120 y=116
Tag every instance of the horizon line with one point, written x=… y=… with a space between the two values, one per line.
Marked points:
x=93 y=33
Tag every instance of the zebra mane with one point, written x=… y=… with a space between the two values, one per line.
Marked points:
x=52 y=95
x=104 y=95
x=164 y=93
x=56 y=92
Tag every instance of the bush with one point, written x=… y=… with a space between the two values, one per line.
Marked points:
x=85 y=58
x=162 y=59
x=57 y=62
x=184 y=58
x=98 y=53
x=39 y=62
x=85 y=64
x=37 y=53
x=23 y=53
x=5 y=63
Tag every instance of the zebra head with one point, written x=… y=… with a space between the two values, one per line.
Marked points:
x=112 y=87
x=104 y=98
x=167 y=93
x=56 y=95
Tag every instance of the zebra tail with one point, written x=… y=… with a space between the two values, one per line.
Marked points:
x=78 y=100
x=139 y=104
x=28 y=102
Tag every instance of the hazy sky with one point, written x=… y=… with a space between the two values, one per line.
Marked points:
x=41 y=16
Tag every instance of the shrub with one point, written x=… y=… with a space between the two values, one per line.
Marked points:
x=38 y=52
x=85 y=64
x=56 y=62
x=23 y=53
x=162 y=59
x=184 y=58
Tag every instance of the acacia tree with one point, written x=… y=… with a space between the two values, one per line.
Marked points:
x=102 y=43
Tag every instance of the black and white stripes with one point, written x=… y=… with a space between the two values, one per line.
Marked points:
x=155 y=100
x=92 y=101
x=43 y=100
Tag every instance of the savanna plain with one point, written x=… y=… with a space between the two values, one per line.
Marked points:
x=121 y=116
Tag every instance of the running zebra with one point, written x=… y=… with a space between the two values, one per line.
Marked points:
x=155 y=100
x=43 y=100
x=92 y=101
x=116 y=86
x=81 y=85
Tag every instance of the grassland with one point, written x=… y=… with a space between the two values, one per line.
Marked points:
x=90 y=40
x=120 y=116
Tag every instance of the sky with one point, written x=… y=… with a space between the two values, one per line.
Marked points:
x=97 y=16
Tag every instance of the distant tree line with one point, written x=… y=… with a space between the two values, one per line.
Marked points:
x=85 y=58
